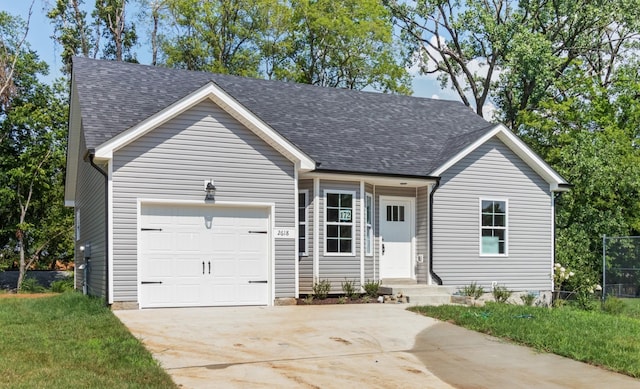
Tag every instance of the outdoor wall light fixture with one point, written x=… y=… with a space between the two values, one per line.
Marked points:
x=210 y=188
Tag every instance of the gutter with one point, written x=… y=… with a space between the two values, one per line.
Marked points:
x=92 y=154
x=434 y=276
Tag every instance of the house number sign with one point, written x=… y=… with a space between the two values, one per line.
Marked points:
x=284 y=233
x=345 y=215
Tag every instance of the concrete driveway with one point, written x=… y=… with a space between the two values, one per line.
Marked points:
x=334 y=346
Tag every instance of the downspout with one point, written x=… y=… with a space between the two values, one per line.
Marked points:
x=92 y=154
x=433 y=275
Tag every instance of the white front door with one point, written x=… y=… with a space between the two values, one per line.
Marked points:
x=203 y=256
x=396 y=235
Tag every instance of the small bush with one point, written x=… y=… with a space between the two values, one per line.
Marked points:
x=371 y=288
x=321 y=289
x=613 y=305
x=501 y=294
x=61 y=286
x=31 y=285
x=472 y=290
x=308 y=300
x=349 y=288
x=528 y=299
x=342 y=299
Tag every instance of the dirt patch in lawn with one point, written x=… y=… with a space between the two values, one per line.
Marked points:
x=26 y=295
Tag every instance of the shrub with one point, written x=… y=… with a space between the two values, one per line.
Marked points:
x=528 y=299
x=613 y=305
x=308 y=300
x=501 y=294
x=63 y=285
x=349 y=288
x=472 y=290
x=321 y=289
x=342 y=299
x=31 y=285
x=371 y=288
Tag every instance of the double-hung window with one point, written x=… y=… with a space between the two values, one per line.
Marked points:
x=339 y=222
x=302 y=222
x=493 y=230
x=368 y=236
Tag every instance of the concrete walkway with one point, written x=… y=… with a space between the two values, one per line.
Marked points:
x=335 y=346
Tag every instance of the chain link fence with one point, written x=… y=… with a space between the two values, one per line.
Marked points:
x=621 y=266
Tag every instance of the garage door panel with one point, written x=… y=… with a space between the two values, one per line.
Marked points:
x=218 y=236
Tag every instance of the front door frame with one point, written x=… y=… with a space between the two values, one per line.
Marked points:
x=412 y=228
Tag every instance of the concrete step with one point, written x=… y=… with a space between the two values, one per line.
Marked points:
x=420 y=294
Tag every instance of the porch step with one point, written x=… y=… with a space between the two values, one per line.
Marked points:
x=420 y=294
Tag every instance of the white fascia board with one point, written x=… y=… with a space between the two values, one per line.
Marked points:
x=517 y=146
x=224 y=101
x=73 y=149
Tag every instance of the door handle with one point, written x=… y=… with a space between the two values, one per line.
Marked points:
x=209 y=267
x=383 y=249
x=202 y=267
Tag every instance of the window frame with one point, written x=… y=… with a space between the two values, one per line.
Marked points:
x=77 y=225
x=351 y=224
x=505 y=228
x=303 y=251
x=369 y=219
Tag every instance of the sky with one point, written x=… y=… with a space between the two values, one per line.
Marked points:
x=41 y=30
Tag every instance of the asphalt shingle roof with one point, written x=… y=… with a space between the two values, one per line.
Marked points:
x=343 y=130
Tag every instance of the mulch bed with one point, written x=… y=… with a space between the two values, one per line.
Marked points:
x=336 y=300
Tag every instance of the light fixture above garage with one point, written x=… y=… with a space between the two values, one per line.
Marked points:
x=210 y=188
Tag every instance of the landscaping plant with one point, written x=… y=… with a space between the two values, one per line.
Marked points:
x=371 y=288
x=349 y=289
x=472 y=290
x=501 y=294
x=321 y=289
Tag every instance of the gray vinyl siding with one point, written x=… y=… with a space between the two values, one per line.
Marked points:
x=306 y=261
x=493 y=171
x=369 y=260
x=173 y=161
x=90 y=201
x=337 y=268
x=422 y=234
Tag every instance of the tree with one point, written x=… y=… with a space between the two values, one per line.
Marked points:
x=514 y=51
x=218 y=36
x=110 y=19
x=344 y=44
x=35 y=225
x=72 y=31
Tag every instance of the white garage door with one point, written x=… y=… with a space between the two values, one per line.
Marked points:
x=203 y=256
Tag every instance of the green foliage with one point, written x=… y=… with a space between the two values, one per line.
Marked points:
x=472 y=290
x=40 y=350
x=321 y=289
x=342 y=300
x=613 y=305
x=592 y=337
x=308 y=300
x=349 y=288
x=528 y=299
x=31 y=285
x=371 y=288
x=501 y=294
x=61 y=286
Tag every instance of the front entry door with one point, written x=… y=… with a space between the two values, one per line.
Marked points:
x=396 y=232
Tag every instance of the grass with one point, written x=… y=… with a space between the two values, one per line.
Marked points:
x=610 y=341
x=632 y=307
x=71 y=341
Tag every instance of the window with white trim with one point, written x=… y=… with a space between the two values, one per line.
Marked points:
x=339 y=222
x=493 y=230
x=78 y=224
x=303 y=244
x=368 y=235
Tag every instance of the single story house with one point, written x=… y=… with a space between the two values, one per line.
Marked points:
x=199 y=189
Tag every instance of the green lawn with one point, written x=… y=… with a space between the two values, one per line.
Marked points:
x=610 y=341
x=71 y=341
